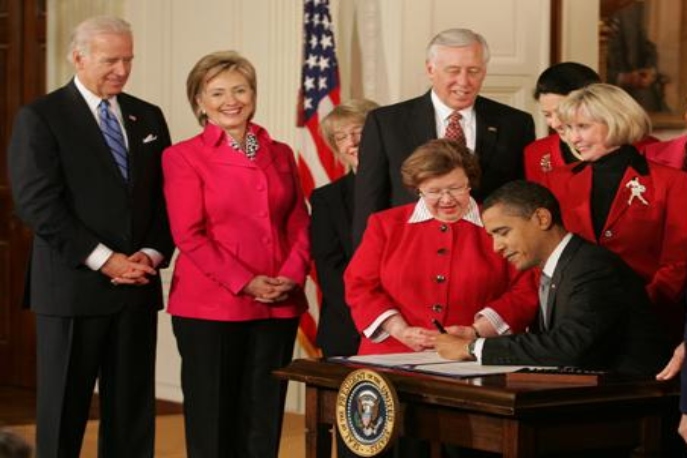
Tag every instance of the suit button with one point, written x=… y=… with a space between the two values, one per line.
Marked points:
x=442 y=251
x=443 y=228
x=608 y=233
x=440 y=279
x=437 y=308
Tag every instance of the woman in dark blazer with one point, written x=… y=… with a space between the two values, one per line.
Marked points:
x=330 y=231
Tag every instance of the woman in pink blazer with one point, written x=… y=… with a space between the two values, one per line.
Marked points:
x=240 y=223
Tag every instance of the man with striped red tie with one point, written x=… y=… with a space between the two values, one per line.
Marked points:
x=456 y=65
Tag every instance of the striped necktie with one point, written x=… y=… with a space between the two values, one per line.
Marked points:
x=114 y=137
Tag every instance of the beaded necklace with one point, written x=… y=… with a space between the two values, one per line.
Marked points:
x=251 y=147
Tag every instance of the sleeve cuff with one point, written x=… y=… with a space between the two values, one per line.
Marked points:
x=98 y=257
x=374 y=332
x=495 y=320
x=155 y=256
x=479 y=345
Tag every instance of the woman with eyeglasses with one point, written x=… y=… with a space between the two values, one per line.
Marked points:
x=330 y=230
x=432 y=261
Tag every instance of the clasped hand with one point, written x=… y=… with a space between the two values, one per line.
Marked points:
x=269 y=289
x=129 y=270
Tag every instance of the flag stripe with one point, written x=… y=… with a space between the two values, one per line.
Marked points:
x=318 y=94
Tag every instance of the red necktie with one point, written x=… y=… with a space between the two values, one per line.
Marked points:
x=454 y=131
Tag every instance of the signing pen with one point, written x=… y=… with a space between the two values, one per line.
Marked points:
x=438 y=325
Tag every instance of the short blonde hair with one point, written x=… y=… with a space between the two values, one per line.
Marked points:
x=207 y=68
x=436 y=158
x=354 y=110
x=626 y=120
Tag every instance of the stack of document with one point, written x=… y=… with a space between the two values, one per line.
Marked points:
x=429 y=362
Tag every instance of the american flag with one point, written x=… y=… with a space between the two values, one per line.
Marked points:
x=318 y=94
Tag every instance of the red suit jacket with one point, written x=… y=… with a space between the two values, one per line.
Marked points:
x=543 y=155
x=232 y=219
x=651 y=238
x=431 y=269
x=670 y=152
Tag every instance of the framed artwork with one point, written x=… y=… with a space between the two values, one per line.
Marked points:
x=643 y=49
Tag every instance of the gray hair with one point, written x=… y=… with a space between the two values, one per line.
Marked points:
x=82 y=35
x=457 y=38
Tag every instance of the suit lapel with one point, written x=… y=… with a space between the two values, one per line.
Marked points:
x=578 y=196
x=422 y=120
x=347 y=194
x=621 y=201
x=567 y=255
x=487 y=133
x=91 y=135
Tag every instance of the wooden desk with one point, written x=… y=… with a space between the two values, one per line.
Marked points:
x=486 y=413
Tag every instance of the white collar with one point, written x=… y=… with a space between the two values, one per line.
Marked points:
x=421 y=213
x=555 y=256
x=443 y=111
x=93 y=100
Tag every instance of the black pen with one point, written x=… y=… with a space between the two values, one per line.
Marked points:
x=438 y=325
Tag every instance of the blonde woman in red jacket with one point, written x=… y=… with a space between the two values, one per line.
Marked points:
x=241 y=226
x=617 y=198
x=433 y=260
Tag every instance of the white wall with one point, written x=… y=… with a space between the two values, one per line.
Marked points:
x=380 y=44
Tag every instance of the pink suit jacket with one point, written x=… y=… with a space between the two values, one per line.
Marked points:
x=446 y=271
x=651 y=238
x=233 y=219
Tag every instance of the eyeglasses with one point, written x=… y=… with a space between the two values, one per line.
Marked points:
x=434 y=195
x=353 y=134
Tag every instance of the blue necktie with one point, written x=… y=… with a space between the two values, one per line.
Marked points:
x=114 y=137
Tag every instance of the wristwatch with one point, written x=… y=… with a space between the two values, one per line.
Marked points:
x=471 y=349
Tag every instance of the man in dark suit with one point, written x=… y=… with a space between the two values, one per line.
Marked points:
x=594 y=313
x=456 y=66
x=100 y=231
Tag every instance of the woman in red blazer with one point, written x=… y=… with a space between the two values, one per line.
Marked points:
x=545 y=154
x=433 y=260
x=617 y=198
x=557 y=81
x=241 y=226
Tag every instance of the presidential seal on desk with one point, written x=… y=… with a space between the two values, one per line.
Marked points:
x=367 y=412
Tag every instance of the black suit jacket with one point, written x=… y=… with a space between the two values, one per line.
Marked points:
x=599 y=318
x=68 y=190
x=393 y=132
x=332 y=248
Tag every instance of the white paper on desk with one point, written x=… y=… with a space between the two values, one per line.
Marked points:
x=404 y=360
x=429 y=362
x=464 y=369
